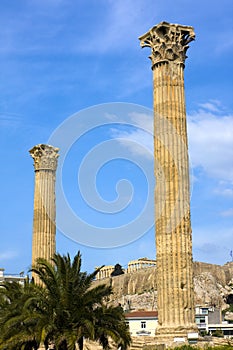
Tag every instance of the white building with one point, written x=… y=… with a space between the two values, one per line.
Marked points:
x=10 y=278
x=142 y=322
x=209 y=319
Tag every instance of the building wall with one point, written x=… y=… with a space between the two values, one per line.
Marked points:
x=10 y=278
x=142 y=327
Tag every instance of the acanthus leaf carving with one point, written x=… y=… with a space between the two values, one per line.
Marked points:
x=168 y=42
x=45 y=157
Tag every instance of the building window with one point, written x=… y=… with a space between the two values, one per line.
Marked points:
x=200 y=320
x=143 y=324
x=204 y=311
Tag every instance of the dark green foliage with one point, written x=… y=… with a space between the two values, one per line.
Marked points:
x=230 y=308
x=218 y=333
x=185 y=347
x=117 y=270
x=64 y=308
x=203 y=333
x=15 y=316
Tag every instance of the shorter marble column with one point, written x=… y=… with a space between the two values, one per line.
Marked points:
x=44 y=227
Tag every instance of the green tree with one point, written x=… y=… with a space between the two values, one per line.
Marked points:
x=14 y=317
x=110 y=324
x=64 y=308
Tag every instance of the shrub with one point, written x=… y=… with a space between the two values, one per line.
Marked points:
x=218 y=333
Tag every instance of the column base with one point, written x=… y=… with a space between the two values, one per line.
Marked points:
x=180 y=334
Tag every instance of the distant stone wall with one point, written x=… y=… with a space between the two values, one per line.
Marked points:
x=221 y=273
x=133 y=282
x=139 y=289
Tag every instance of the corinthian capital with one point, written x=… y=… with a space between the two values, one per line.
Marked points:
x=45 y=157
x=168 y=42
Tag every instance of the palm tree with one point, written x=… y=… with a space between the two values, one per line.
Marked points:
x=110 y=324
x=69 y=300
x=64 y=308
x=13 y=316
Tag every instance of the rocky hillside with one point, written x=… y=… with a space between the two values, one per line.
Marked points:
x=212 y=284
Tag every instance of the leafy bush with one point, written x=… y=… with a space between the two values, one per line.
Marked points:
x=218 y=333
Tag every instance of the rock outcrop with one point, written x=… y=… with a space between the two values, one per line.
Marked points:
x=138 y=290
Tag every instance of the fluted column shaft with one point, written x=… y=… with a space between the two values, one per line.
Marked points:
x=173 y=244
x=44 y=216
x=44 y=227
x=172 y=194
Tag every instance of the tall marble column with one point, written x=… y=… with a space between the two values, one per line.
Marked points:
x=44 y=227
x=169 y=43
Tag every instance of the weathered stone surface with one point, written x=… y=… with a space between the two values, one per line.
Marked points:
x=207 y=290
x=169 y=43
x=229 y=316
x=44 y=230
x=212 y=285
x=45 y=157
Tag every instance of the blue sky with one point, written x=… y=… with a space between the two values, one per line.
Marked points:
x=58 y=57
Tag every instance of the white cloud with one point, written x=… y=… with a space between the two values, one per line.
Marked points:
x=210 y=134
x=134 y=78
x=211 y=252
x=226 y=192
x=8 y=255
x=10 y=120
x=143 y=120
x=212 y=106
x=33 y=29
x=121 y=23
x=224 y=41
x=141 y=135
x=211 y=141
x=141 y=144
x=227 y=213
x=212 y=244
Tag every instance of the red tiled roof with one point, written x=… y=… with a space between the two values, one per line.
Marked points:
x=141 y=314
